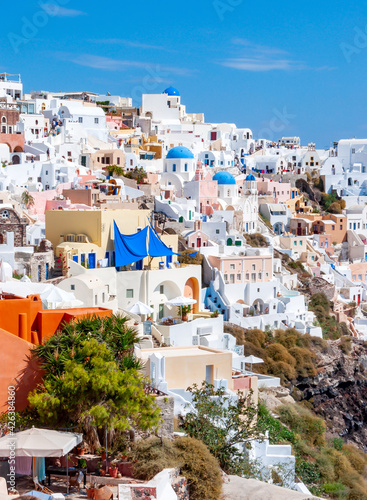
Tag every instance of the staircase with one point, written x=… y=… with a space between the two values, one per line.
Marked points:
x=156 y=344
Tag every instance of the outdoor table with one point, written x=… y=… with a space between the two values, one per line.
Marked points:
x=61 y=471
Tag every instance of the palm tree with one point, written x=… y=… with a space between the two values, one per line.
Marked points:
x=27 y=199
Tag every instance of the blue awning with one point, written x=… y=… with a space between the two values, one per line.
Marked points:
x=130 y=248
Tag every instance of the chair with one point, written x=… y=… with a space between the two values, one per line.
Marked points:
x=39 y=487
x=76 y=481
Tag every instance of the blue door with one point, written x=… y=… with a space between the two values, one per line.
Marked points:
x=139 y=265
x=75 y=258
x=107 y=256
x=82 y=259
x=92 y=260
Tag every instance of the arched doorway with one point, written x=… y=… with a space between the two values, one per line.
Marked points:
x=192 y=291
x=18 y=149
x=16 y=160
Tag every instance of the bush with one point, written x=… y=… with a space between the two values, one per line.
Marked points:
x=201 y=469
x=345 y=345
x=304 y=422
x=256 y=337
x=278 y=352
x=335 y=208
x=356 y=457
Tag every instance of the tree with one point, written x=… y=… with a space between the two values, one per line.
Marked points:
x=92 y=379
x=224 y=424
x=27 y=199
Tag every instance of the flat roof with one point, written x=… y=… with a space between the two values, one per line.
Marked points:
x=175 y=352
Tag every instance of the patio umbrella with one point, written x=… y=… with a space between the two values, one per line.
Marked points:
x=181 y=301
x=253 y=360
x=40 y=443
x=140 y=308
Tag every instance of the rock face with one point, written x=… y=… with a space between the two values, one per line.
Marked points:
x=339 y=392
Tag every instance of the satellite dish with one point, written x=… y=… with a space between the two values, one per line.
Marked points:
x=108 y=93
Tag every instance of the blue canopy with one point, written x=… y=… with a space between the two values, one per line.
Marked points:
x=159 y=249
x=130 y=248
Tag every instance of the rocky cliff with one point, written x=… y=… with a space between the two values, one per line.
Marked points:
x=339 y=391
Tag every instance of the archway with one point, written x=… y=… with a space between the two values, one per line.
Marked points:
x=18 y=149
x=192 y=291
x=16 y=160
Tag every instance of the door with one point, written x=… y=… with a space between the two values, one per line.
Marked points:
x=209 y=374
x=161 y=311
x=92 y=260
x=198 y=242
x=82 y=259
x=75 y=258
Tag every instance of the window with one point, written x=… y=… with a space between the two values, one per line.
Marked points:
x=185 y=167
x=96 y=121
x=341 y=226
x=10 y=130
x=295 y=243
x=46 y=173
x=359 y=277
x=174 y=167
x=247 y=276
x=333 y=228
x=232 y=267
x=72 y=287
x=238 y=277
x=80 y=119
x=260 y=276
x=226 y=278
x=118 y=161
x=69 y=153
x=95 y=300
x=254 y=267
x=253 y=277
x=129 y=293
x=5 y=214
x=161 y=289
x=217 y=231
x=301 y=243
x=231 y=278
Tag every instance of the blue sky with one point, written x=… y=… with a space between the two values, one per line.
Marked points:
x=280 y=68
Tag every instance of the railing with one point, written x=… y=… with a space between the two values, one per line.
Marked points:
x=149 y=389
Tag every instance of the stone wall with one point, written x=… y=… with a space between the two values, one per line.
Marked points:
x=166 y=405
x=10 y=221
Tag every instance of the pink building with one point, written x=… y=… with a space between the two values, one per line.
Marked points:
x=244 y=268
x=196 y=238
x=204 y=190
x=280 y=191
x=115 y=122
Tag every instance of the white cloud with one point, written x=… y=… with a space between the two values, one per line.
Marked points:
x=108 y=64
x=57 y=11
x=130 y=43
x=261 y=58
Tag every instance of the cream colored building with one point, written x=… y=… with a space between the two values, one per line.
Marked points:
x=87 y=236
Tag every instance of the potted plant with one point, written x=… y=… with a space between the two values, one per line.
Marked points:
x=82 y=463
x=98 y=468
x=215 y=314
x=112 y=470
x=89 y=490
x=80 y=449
x=102 y=451
x=185 y=310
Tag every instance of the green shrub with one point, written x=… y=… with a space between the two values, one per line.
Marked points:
x=357 y=458
x=337 y=490
x=282 y=370
x=304 y=422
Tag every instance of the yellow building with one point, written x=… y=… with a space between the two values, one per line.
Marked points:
x=185 y=366
x=297 y=204
x=87 y=236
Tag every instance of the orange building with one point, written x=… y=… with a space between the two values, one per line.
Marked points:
x=23 y=323
x=332 y=225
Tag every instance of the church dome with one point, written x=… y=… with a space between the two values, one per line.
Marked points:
x=250 y=177
x=171 y=91
x=224 y=178
x=180 y=152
